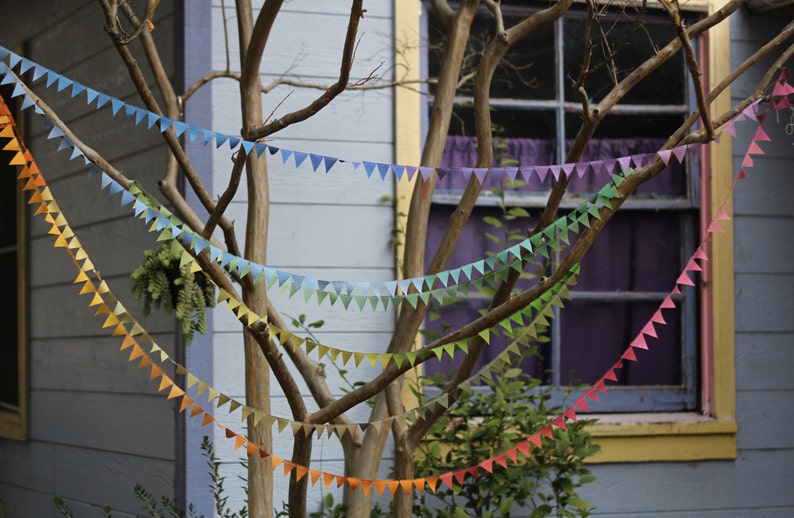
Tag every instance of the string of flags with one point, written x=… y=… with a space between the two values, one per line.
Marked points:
x=484 y=273
x=317 y=162
x=118 y=319
x=525 y=321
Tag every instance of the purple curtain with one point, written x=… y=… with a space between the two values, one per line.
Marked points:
x=639 y=251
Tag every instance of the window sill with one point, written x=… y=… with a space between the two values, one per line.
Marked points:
x=12 y=426
x=662 y=437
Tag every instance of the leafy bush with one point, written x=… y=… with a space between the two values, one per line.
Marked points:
x=511 y=407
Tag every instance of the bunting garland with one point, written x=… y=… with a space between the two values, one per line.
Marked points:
x=318 y=163
x=484 y=273
x=118 y=319
x=120 y=315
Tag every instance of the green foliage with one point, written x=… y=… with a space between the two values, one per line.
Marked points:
x=216 y=486
x=162 y=282
x=511 y=407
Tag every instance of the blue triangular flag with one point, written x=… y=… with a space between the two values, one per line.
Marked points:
x=90 y=95
x=329 y=162
x=369 y=168
x=77 y=89
x=300 y=157
x=63 y=83
x=247 y=146
x=383 y=169
x=38 y=72
x=316 y=160
x=51 y=78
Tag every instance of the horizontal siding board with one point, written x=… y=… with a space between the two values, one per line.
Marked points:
x=309 y=43
x=24 y=502
x=764 y=361
x=67 y=315
x=753 y=481
x=97 y=365
x=768 y=192
x=108 y=478
x=124 y=423
x=760 y=246
x=28 y=464
x=764 y=420
x=352 y=116
x=764 y=302
x=329 y=236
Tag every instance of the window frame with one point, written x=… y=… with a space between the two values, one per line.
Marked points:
x=709 y=432
x=13 y=423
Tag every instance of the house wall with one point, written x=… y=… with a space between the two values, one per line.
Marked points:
x=329 y=226
x=755 y=483
x=97 y=425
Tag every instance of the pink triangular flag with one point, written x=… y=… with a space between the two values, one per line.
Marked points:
x=665 y=156
x=700 y=254
x=721 y=215
x=649 y=330
x=754 y=149
x=676 y=290
x=668 y=303
x=610 y=375
x=692 y=266
x=684 y=279
x=599 y=386
x=658 y=317
x=680 y=153
x=761 y=135
x=581 y=404
x=541 y=171
x=639 y=342
x=714 y=227
x=694 y=148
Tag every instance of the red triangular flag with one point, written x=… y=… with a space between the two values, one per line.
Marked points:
x=649 y=330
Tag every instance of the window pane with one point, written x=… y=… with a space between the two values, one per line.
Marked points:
x=594 y=334
x=620 y=44
x=636 y=251
x=9 y=347
x=526 y=72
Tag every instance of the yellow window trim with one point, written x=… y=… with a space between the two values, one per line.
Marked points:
x=626 y=437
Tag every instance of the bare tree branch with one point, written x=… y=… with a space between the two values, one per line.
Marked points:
x=356 y=13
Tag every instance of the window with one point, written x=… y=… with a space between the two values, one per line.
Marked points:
x=636 y=259
x=709 y=432
x=12 y=286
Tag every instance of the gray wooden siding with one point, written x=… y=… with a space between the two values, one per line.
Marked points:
x=756 y=483
x=97 y=426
